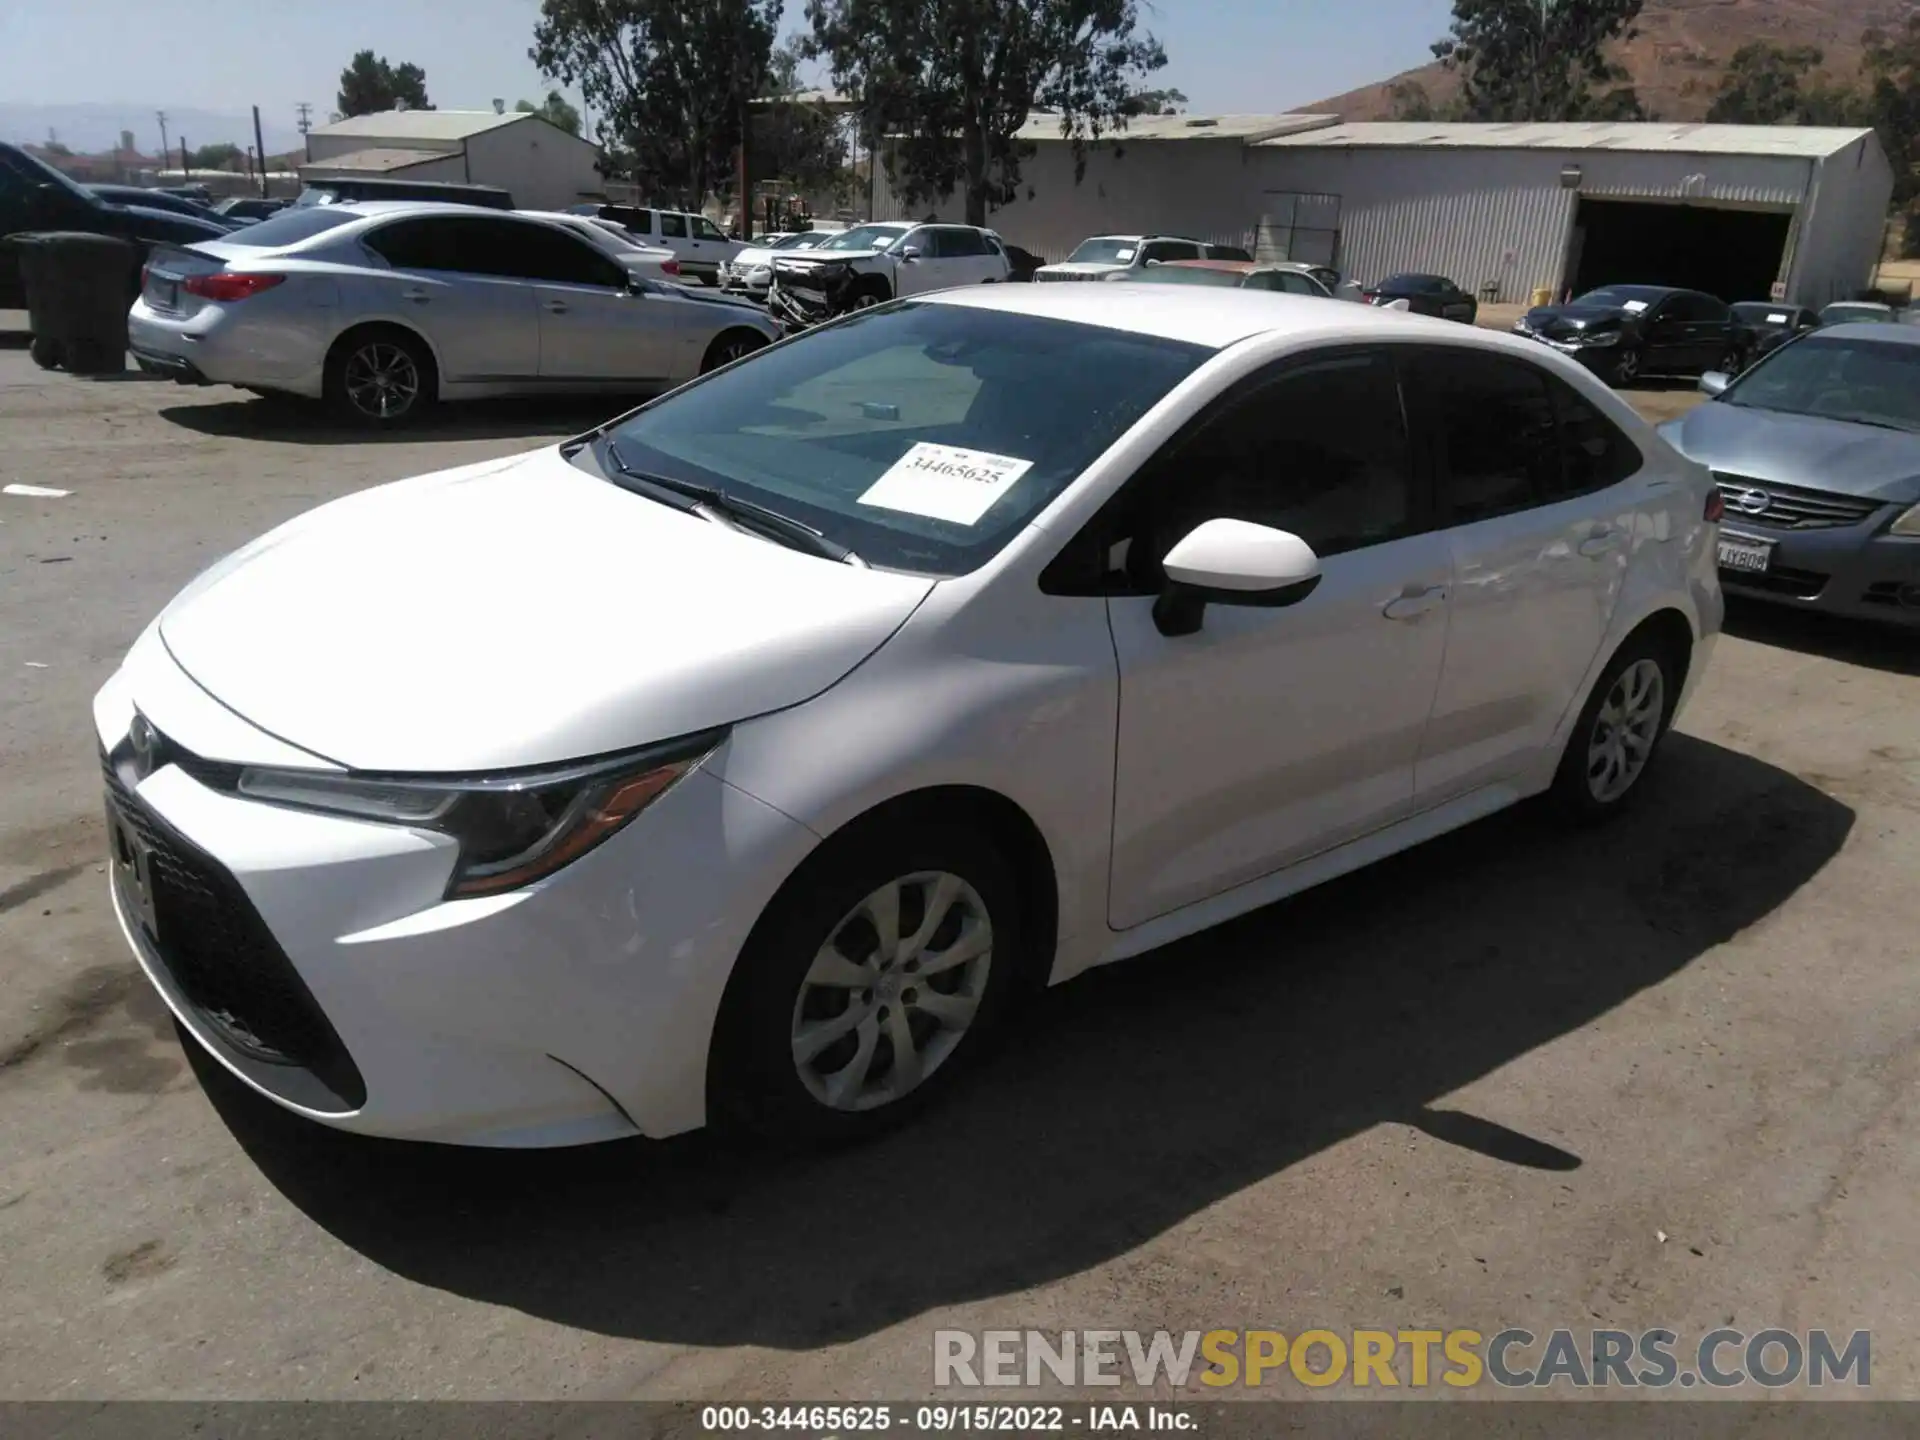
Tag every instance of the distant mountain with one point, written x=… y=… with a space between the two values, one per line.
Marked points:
x=86 y=128
x=1683 y=47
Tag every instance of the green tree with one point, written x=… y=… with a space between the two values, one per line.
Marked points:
x=555 y=110
x=1155 y=102
x=369 y=85
x=1768 y=84
x=795 y=140
x=668 y=80
x=949 y=83
x=217 y=157
x=1892 y=106
x=1541 y=60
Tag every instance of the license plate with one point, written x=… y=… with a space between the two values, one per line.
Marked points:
x=1749 y=556
x=132 y=869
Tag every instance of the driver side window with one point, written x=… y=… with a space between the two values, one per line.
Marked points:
x=1321 y=450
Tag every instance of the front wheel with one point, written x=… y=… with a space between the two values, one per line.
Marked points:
x=1626 y=366
x=879 y=972
x=47 y=354
x=1618 y=733
x=729 y=347
x=1733 y=362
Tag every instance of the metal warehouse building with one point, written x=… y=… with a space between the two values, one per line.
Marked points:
x=1744 y=212
x=543 y=166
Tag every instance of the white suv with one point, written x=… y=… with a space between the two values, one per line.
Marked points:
x=871 y=264
x=1117 y=257
x=695 y=241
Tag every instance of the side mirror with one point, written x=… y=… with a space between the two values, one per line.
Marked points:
x=1233 y=562
x=1715 y=382
x=909 y=252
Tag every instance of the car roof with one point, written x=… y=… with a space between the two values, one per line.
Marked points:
x=1875 y=330
x=1219 y=317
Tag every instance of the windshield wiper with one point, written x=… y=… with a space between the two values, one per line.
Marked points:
x=742 y=514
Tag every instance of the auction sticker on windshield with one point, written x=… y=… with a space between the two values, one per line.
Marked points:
x=945 y=482
x=1634 y=307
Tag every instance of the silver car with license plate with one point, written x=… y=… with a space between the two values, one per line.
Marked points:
x=1817 y=454
x=382 y=308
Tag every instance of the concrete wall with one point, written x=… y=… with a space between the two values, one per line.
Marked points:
x=544 y=167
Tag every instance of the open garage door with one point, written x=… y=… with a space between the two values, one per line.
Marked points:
x=1735 y=254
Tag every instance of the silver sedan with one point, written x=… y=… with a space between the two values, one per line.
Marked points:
x=382 y=308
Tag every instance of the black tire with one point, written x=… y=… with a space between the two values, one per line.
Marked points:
x=1733 y=362
x=1627 y=367
x=356 y=361
x=868 y=293
x=755 y=1086
x=47 y=354
x=729 y=346
x=1576 y=792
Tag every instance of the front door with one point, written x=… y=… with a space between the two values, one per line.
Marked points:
x=1541 y=533
x=592 y=328
x=445 y=279
x=1273 y=734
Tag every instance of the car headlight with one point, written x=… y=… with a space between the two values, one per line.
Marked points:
x=1907 y=524
x=512 y=829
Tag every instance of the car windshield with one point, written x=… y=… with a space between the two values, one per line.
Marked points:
x=289 y=227
x=922 y=436
x=1622 y=297
x=1853 y=314
x=1870 y=382
x=806 y=240
x=1189 y=275
x=866 y=237
x=1104 y=250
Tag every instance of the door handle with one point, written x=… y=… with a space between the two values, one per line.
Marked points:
x=1415 y=603
x=417 y=297
x=556 y=307
x=1601 y=542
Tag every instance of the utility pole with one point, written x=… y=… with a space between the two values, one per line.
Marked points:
x=260 y=148
x=184 y=175
x=305 y=112
x=161 y=116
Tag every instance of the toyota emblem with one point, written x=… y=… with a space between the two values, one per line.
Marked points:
x=1747 y=501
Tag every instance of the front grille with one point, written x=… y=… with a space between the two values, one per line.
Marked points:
x=223 y=959
x=1045 y=278
x=1791 y=508
x=1780 y=580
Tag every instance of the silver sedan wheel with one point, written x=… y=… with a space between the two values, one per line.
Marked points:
x=381 y=380
x=891 y=994
x=1625 y=730
x=736 y=347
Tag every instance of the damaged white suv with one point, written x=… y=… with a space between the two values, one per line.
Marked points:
x=871 y=264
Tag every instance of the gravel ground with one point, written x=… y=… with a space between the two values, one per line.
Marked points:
x=1662 y=1074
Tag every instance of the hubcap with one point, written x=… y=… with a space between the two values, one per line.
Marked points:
x=1624 y=731
x=382 y=381
x=1629 y=365
x=865 y=301
x=892 y=992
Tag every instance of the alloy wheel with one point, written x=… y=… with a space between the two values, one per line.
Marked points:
x=1625 y=729
x=381 y=380
x=892 y=992
x=736 y=348
x=1730 y=363
x=865 y=300
x=1627 y=368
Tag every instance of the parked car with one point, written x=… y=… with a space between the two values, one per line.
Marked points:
x=250 y=207
x=906 y=667
x=159 y=200
x=382 y=308
x=1817 y=454
x=872 y=264
x=344 y=192
x=1285 y=277
x=1021 y=264
x=645 y=262
x=1433 y=295
x=1112 y=257
x=1623 y=332
x=750 y=271
x=695 y=240
x=1772 y=324
x=36 y=196
x=1856 y=312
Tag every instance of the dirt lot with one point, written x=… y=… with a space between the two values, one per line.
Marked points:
x=1663 y=1074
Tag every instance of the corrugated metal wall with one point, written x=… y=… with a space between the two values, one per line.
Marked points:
x=1845 y=227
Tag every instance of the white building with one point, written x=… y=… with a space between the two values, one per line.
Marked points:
x=1744 y=212
x=541 y=165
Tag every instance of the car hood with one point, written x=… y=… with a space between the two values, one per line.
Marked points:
x=518 y=612
x=1802 y=450
x=1080 y=267
x=1561 y=319
x=824 y=257
x=759 y=255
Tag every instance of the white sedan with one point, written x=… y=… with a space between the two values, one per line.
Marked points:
x=646 y=262
x=750 y=758
x=751 y=271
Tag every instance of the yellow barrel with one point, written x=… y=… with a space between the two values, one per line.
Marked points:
x=1543 y=295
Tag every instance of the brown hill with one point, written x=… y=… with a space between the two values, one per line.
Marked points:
x=1681 y=49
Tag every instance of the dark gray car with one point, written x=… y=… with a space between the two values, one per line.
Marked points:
x=1817 y=453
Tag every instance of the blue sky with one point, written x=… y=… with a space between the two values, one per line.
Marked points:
x=224 y=55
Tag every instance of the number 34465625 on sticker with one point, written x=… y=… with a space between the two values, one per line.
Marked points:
x=945 y=482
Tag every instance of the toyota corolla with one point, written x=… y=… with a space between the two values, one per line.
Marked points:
x=748 y=759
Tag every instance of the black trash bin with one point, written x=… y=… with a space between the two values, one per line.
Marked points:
x=77 y=298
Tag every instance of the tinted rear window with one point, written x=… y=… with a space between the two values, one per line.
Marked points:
x=290 y=227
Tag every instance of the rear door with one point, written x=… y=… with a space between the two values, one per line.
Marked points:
x=440 y=280
x=1531 y=485
x=1713 y=331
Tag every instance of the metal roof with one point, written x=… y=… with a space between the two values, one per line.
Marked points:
x=422 y=124
x=375 y=161
x=1044 y=125
x=1790 y=141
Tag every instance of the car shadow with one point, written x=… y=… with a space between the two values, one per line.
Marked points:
x=301 y=422
x=1122 y=1104
x=1808 y=632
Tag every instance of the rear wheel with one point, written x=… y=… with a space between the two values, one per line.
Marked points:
x=1619 y=731
x=1733 y=362
x=47 y=354
x=381 y=377
x=1626 y=366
